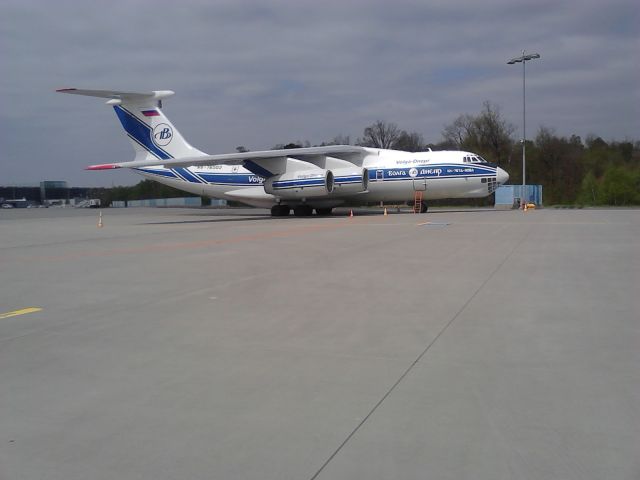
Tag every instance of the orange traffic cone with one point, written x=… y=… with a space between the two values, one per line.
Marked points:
x=385 y=211
x=100 y=224
x=351 y=213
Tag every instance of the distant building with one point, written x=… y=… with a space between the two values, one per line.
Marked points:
x=54 y=191
x=49 y=191
x=30 y=194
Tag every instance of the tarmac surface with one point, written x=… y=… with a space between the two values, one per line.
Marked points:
x=198 y=344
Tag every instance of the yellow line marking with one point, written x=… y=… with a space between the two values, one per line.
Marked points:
x=23 y=311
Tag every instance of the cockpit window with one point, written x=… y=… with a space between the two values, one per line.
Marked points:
x=474 y=159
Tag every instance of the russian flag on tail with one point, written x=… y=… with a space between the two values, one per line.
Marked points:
x=151 y=113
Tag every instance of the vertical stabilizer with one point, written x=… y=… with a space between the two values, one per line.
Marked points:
x=151 y=133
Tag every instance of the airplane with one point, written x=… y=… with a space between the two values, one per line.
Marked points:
x=298 y=179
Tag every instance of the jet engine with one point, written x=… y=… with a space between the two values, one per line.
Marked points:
x=350 y=180
x=301 y=184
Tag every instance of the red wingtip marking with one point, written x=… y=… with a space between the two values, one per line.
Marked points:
x=104 y=166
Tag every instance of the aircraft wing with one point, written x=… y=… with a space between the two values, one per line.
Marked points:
x=344 y=152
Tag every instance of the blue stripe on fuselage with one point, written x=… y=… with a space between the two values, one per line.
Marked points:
x=187 y=175
x=389 y=174
x=160 y=172
x=433 y=171
x=232 y=178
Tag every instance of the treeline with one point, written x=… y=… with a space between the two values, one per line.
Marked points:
x=571 y=170
x=144 y=190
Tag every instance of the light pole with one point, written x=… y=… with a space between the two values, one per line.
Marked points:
x=523 y=59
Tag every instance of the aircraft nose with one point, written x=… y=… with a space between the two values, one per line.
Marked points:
x=501 y=176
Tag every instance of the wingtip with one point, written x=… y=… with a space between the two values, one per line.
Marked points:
x=104 y=166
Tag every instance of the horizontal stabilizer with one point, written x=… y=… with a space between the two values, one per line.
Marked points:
x=121 y=97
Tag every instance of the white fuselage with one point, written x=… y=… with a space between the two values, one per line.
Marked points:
x=393 y=176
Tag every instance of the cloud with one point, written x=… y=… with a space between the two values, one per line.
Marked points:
x=257 y=74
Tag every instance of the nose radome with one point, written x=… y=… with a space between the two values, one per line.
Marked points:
x=501 y=176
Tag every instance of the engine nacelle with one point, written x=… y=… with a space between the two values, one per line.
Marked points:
x=301 y=184
x=350 y=180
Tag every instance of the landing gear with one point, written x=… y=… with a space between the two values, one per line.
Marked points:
x=302 y=210
x=324 y=211
x=280 y=210
x=424 y=207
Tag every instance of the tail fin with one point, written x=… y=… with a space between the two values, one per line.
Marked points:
x=151 y=133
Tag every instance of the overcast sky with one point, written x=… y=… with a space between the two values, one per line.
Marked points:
x=259 y=73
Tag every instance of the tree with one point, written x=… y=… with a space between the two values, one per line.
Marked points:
x=290 y=145
x=459 y=133
x=143 y=190
x=595 y=142
x=555 y=162
x=620 y=186
x=625 y=149
x=589 y=190
x=337 y=140
x=389 y=136
x=494 y=133
x=487 y=134
x=340 y=140
x=409 y=142
x=380 y=135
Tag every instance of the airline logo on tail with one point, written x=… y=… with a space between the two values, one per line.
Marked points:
x=162 y=134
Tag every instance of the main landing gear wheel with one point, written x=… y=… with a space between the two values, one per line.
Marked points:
x=280 y=210
x=423 y=207
x=302 y=210
x=324 y=211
